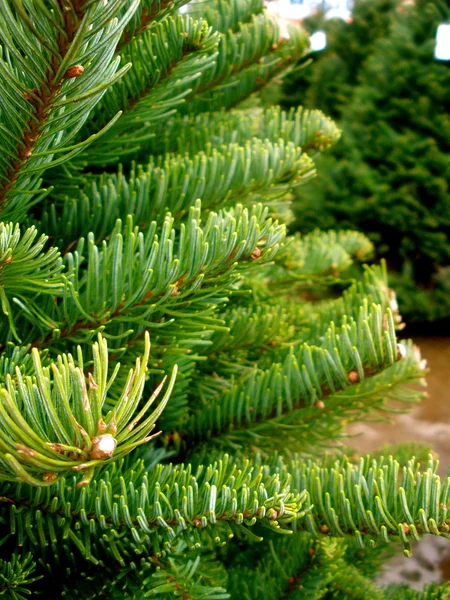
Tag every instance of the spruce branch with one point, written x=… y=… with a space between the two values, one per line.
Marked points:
x=292 y=396
x=256 y=171
x=53 y=421
x=16 y=576
x=320 y=257
x=177 y=578
x=247 y=61
x=147 y=14
x=301 y=568
x=151 y=511
x=167 y=60
x=135 y=280
x=311 y=130
x=274 y=575
x=27 y=271
x=226 y=15
x=50 y=82
x=251 y=156
x=238 y=50
x=265 y=331
x=377 y=499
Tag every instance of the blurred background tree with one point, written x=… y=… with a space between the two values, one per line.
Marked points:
x=389 y=174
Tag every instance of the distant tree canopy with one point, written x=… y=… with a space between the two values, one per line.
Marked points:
x=389 y=174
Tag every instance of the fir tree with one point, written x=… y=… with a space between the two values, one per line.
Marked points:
x=175 y=377
x=389 y=174
x=329 y=77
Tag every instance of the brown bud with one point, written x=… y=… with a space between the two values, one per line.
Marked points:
x=256 y=253
x=353 y=377
x=103 y=446
x=319 y=404
x=101 y=425
x=291 y=580
x=406 y=528
x=311 y=551
x=113 y=426
x=274 y=515
x=324 y=528
x=48 y=477
x=197 y=523
x=92 y=384
x=174 y=291
x=25 y=450
x=74 y=71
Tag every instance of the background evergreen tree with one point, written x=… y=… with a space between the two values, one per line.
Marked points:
x=141 y=204
x=328 y=83
x=389 y=174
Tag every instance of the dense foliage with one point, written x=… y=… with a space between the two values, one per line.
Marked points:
x=389 y=174
x=176 y=372
x=329 y=80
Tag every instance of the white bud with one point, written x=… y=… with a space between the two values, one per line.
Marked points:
x=402 y=350
x=103 y=446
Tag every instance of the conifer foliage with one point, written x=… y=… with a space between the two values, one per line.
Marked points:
x=388 y=176
x=173 y=369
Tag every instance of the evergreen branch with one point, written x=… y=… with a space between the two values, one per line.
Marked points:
x=53 y=421
x=232 y=87
x=311 y=130
x=149 y=280
x=256 y=171
x=226 y=15
x=26 y=271
x=16 y=576
x=310 y=429
x=276 y=138
x=265 y=331
x=294 y=392
x=149 y=576
x=320 y=256
x=167 y=60
x=147 y=14
x=239 y=50
x=298 y=567
x=372 y=288
x=375 y=498
x=14 y=357
x=177 y=578
x=277 y=572
x=150 y=510
x=50 y=86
